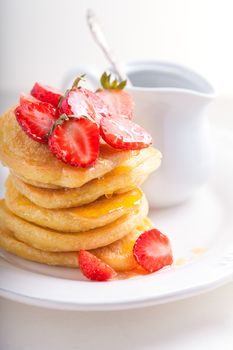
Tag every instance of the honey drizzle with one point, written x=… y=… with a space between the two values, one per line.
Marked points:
x=137 y=271
x=122 y=169
x=105 y=206
x=181 y=262
x=199 y=250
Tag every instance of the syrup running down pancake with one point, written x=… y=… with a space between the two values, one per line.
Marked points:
x=55 y=241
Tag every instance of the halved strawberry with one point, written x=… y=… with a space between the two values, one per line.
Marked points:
x=27 y=98
x=75 y=141
x=47 y=94
x=152 y=250
x=76 y=103
x=119 y=102
x=100 y=107
x=122 y=133
x=35 y=118
x=93 y=268
x=81 y=101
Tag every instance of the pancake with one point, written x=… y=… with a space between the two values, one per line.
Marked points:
x=150 y=156
x=90 y=216
x=54 y=241
x=34 y=183
x=34 y=162
x=52 y=210
x=9 y=243
x=118 y=254
x=119 y=180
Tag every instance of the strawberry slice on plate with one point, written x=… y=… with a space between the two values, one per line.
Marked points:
x=152 y=250
x=46 y=93
x=93 y=268
x=36 y=118
x=75 y=141
x=124 y=134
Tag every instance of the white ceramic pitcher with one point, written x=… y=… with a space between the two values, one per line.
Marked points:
x=170 y=102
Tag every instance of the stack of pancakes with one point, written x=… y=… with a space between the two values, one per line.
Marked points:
x=52 y=210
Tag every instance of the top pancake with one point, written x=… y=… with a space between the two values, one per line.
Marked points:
x=33 y=161
x=120 y=180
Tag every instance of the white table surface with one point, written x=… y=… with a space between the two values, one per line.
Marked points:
x=198 y=323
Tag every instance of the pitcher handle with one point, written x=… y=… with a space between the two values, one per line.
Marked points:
x=92 y=75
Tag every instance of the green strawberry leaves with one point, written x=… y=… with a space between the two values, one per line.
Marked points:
x=112 y=85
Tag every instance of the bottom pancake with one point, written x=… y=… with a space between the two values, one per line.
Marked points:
x=54 y=241
x=9 y=243
x=118 y=254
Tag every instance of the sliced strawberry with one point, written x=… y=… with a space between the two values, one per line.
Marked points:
x=124 y=134
x=76 y=103
x=35 y=118
x=119 y=102
x=47 y=94
x=76 y=142
x=93 y=268
x=81 y=101
x=100 y=107
x=26 y=98
x=152 y=250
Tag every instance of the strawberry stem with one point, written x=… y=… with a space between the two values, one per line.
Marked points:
x=62 y=98
x=63 y=117
x=77 y=80
x=59 y=121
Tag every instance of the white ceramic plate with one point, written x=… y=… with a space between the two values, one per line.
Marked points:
x=202 y=239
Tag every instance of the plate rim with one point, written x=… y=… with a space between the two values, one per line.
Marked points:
x=111 y=306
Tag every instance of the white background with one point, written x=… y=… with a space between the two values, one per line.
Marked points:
x=41 y=40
